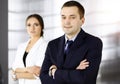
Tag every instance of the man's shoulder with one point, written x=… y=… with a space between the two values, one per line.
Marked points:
x=92 y=39
x=90 y=36
x=56 y=40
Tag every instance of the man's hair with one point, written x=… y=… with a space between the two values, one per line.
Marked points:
x=77 y=4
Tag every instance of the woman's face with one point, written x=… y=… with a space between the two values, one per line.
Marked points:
x=33 y=27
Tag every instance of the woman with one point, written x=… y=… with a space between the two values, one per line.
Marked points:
x=29 y=56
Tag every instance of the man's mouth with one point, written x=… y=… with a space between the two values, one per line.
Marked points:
x=67 y=26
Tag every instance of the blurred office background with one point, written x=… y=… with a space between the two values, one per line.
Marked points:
x=102 y=20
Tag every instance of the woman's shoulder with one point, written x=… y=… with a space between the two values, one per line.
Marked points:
x=43 y=41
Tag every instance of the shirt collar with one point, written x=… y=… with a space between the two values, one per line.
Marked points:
x=71 y=38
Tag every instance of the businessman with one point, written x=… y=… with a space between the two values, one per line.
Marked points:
x=73 y=58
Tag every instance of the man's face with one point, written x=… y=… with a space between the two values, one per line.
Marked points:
x=71 y=21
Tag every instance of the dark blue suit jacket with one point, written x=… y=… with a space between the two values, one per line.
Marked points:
x=85 y=46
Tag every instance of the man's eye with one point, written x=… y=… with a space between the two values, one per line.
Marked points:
x=28 y=25
x=73 y=17
x=63 y=17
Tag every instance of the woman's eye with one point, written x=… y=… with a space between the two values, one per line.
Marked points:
x=36 y=24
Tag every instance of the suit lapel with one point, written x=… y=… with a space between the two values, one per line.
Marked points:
x=76 y=44
x=60 y=56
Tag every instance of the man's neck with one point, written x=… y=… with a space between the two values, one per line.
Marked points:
x=69 y=37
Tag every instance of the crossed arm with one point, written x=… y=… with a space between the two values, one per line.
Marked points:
x=26 y=73
x=83 y=65
x=89 y=73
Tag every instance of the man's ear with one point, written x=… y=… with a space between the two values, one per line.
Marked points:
x=83 y=20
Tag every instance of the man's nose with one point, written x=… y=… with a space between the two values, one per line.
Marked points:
x=67 y=21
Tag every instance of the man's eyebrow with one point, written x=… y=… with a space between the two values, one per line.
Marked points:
x=62 y=15
x=70 y=15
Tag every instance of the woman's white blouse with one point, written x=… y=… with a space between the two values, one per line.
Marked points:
x=34 y=57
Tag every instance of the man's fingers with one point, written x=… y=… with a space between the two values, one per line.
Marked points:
x=85 y=63
x=83 y=67
x=84 y=60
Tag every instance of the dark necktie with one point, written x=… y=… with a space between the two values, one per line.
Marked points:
x=67 y=48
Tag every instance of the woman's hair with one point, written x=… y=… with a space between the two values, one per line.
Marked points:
x=40 y=19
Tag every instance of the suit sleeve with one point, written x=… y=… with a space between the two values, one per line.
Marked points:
x=86 y=76
x=45 y=78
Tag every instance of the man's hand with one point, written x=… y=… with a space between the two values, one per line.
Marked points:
x=52 y=69
x=83 y=65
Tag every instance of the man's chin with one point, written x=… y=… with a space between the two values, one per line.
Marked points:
x=67 y=33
